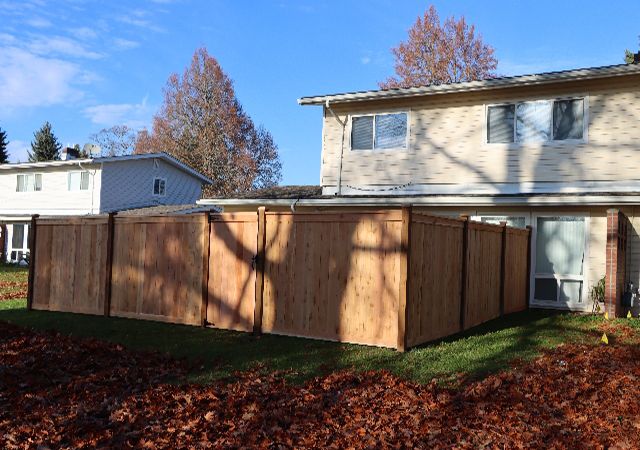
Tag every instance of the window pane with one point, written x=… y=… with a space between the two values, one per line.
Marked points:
x=17 y=241
x=362 y=133
x=161 y=184
x=20 y=185
x=500 y=124
x=533 y=122
x=74 y=181
x=546 y=289
x=156 y=186
x=517 y=222
x=568 y=119
x=38 y=182
x=560 y=245
x=571 y=291
x=29 y=183
x=84 y=181
x=391 y=131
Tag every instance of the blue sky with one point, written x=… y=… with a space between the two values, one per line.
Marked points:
x=88 y=65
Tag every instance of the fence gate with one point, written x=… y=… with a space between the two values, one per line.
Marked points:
x=232 y=270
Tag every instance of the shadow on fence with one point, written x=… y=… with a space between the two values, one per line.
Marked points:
x=392 y=278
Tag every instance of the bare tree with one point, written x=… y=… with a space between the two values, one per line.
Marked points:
x=115 y=141
x=436 y=54
x=202 y=123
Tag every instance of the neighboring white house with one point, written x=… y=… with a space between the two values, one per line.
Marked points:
x=89 y=186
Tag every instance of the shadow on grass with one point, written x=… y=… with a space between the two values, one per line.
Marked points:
x=219 y=353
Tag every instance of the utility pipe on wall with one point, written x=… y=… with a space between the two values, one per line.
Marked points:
x=343 y=124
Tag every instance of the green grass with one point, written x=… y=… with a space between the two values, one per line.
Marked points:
x=12 y=273
x=474 y=353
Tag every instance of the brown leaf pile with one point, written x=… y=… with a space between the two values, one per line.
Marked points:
x=20 y=293
x=59 y=392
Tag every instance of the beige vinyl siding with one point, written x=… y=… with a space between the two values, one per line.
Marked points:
x=55 y=197
x=446 y=141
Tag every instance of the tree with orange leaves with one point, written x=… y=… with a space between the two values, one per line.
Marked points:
x=202 y=124
x=436 y=54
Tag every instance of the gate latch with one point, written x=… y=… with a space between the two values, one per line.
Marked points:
x=254 y=261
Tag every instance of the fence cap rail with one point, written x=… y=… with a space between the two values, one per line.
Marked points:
x=94 y=220
x=337 y=216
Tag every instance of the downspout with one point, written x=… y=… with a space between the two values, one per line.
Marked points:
x=343 y=124
x=93 y=183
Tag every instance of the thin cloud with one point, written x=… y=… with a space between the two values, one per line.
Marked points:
x=28 y=79
x=138 y=18
x=39 y=23
x=45 y=45
x=124 y=44
x=86 y=33
x=131 y=115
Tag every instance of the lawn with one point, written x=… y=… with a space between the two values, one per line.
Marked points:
x=529 y=380
x=484 y=349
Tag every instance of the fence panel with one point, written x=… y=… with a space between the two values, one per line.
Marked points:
x=157 y=268
x=435 y=278
x=333 y=276
x=483 y=278
x=69 y=274
x=515 y=290
x=232 y=271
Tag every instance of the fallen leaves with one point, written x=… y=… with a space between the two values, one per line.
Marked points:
x=59 y=392
x=16 y=289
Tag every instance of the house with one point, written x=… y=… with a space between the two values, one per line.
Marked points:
x=75 y=186
x=558 y=151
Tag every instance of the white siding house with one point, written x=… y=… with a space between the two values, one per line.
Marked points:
x=89 y=186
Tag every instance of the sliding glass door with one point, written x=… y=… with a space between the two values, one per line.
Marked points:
x=561 y=261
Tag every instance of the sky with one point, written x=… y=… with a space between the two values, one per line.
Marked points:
x=88 y=65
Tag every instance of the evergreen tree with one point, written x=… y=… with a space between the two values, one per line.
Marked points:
x=4 y=155
x=46 y=146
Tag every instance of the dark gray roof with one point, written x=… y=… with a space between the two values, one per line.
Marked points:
x=162 y=209
x=276 y=192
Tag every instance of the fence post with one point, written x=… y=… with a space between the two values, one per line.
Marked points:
x=206 y=249
x=529 y=243
x=109 y=264
x=503 y=266
x=465 y=275
x=32 y=261
x=257 y=312
x=405 y=281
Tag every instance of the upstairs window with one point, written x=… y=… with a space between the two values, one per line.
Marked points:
x=78 y=181
x=29 y=182
x=379 y=131
x=159 y=186
x=540 y=121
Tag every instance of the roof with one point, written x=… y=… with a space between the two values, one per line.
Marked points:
x=106 y=160
x=386 y=201
x=163 y=209
x=482 y=85
x=276 y=192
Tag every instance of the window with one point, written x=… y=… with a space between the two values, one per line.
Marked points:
x=379 y=131
x=159 y=186
x=561 y=261
x=78 y=181
x=512 y=221
x=19 y=241
x=539 y=121
x=29 y=182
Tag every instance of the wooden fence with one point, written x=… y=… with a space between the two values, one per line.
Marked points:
x=393 y=278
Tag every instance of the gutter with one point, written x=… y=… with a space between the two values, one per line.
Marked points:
x=577 y=200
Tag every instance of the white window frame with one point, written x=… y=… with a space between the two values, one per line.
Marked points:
x=379 y=113
x=585 y=121
x=69 y=181
x=574 y=306
x=34 y=182
x=153 y=187
x=25 y=242
x=525 y=215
